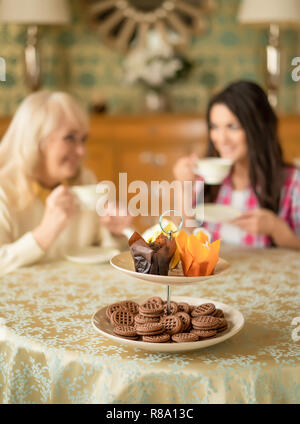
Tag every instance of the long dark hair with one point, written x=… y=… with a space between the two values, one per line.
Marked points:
x=249 y=103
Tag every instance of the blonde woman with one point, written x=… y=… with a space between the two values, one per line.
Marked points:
x=40 y=158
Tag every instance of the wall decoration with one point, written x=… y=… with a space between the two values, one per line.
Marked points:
x=75 y=60
x=127 y=23
x=156 y=69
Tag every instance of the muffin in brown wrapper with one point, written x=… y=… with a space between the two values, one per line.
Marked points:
x=152 y=258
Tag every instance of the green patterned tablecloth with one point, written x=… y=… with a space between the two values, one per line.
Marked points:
x=50 y=353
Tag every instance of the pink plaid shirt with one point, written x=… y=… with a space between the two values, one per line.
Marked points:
x=289 y=209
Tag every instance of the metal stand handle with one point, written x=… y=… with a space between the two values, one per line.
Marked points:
x=169 y=233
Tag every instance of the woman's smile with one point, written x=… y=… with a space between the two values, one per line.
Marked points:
x=227 y=151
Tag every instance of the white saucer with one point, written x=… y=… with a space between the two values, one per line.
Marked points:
x=234 y=318
x=92 y=255
x=217 y=213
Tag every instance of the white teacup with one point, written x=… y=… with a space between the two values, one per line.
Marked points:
x=88 y=196
x=213 y=170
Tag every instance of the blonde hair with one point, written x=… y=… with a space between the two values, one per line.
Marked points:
x=37 y=117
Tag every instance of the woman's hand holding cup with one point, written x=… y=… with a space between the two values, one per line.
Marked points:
x=183 y=169
x=61 y=206
x=116 y=219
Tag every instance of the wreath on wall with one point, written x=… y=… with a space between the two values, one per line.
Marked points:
x=126 y=24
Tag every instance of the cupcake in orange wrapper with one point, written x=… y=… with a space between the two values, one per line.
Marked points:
x=198 y=256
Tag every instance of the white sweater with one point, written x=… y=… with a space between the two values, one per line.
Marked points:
x=18 y=246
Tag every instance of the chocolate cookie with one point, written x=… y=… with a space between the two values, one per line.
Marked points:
x=206 y=322
x=125 y=330
x=142 y=319
x=173 y=308
x=204 y=334
x=122 y=317
x=172 y=324
x=130 y=306
x=222 y=322
x=192 y=307
x=221 y=330
x=185 y=337
x=151 y=309
x=203 y=310
x=156 y=299
x=160 y=338
x=149 y=329
x=112 y=308
x=222 y=326
x=183 y=307
x=218 y=313
x=186 y=320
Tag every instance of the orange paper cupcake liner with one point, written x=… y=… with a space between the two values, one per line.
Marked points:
x=198 y=256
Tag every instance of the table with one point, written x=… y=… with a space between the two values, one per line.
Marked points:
x=50 y=353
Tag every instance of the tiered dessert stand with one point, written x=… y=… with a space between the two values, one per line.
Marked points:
x=124 y=263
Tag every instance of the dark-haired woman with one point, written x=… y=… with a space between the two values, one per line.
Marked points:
x=242 y=127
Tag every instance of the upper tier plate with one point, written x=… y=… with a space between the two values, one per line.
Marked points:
x=124 y=262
